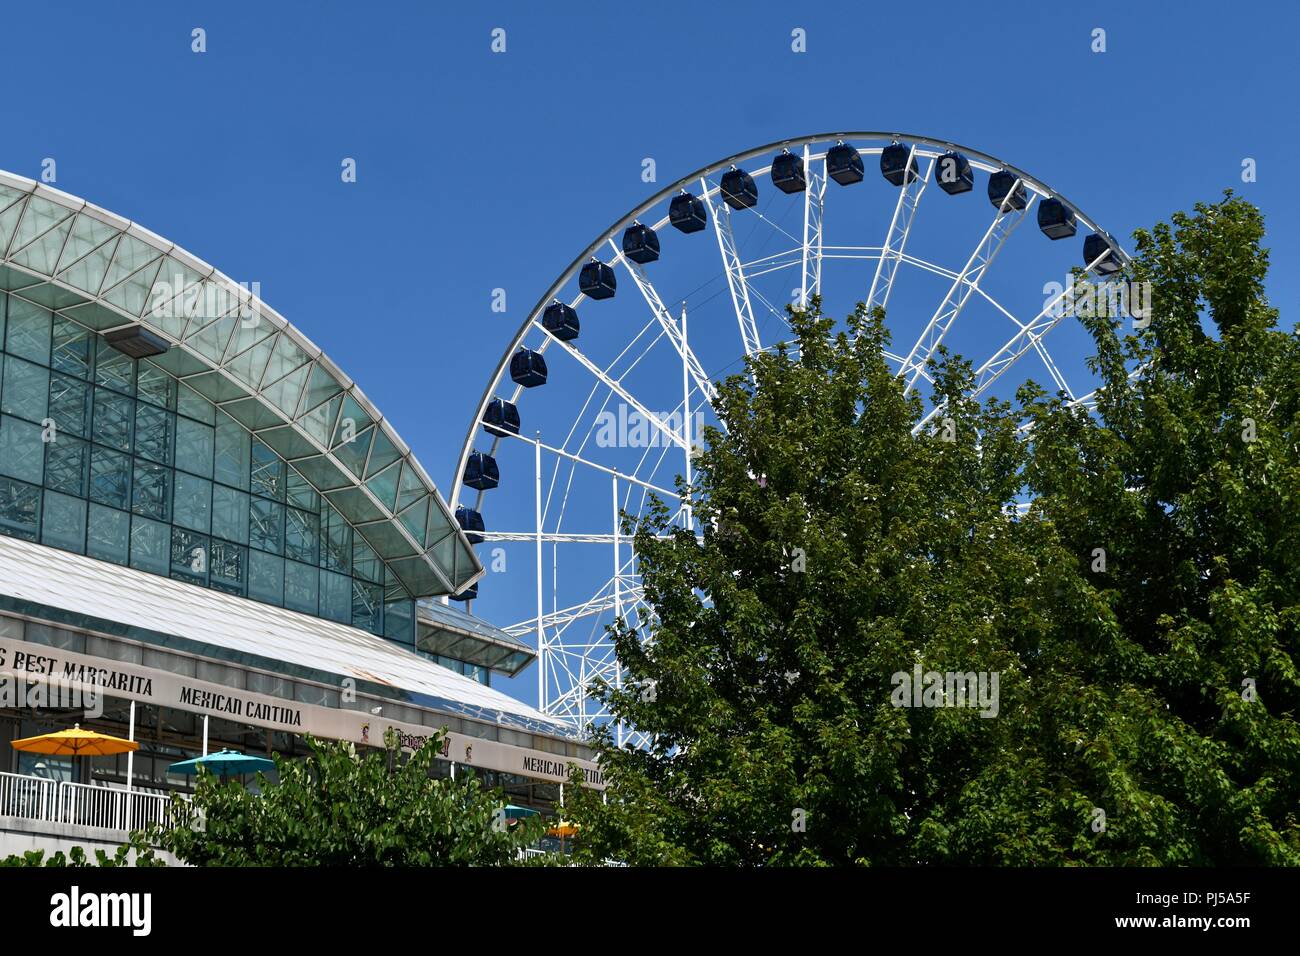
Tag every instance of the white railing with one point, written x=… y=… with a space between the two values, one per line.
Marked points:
x=60 y=801
x=31 y=798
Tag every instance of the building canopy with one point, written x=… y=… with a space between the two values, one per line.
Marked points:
x=116 y=278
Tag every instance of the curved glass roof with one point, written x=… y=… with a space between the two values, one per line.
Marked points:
x=105 y=273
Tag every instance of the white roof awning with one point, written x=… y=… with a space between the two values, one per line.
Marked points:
x=43 y=582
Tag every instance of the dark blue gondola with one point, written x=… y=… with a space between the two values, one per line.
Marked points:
x=561 y=321
x=897 y=164
x=686 y=213
x=738 y=189
x=788 y=173
x=1056 y=219
x=469 y=594
x=953 y=173
x=596 y=280
x=471 y=522
x=1001 y=193
x=640 y=243
x=501 y=418
x=844 y=164
x=481 y=471
x=1097 y=245
x=528 y=368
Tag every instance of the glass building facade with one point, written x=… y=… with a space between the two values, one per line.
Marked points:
x=118 y=459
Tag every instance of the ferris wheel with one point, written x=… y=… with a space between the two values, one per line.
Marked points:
x=599 y=399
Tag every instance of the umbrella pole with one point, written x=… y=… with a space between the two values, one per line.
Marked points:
x=130 y=763
x=205 y=735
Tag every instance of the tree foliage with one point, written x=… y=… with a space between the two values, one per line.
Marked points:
x=336 y=807
x=1142 y=615
x=76 y=858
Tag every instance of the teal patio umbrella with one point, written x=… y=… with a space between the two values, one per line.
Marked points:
x=518 y=813
x=223 y=763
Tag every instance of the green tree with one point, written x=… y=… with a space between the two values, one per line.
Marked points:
x=336 y=807
x=1142 y=615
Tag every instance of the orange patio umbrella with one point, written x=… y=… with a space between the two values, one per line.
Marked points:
x=75 y=743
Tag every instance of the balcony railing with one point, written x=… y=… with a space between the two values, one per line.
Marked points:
x=60 y=801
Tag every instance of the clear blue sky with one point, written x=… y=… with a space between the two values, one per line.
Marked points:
x=478 y=171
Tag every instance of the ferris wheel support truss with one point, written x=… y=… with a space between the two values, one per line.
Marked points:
x=720 y=213
x=1003 y=225
x=814 y=202
x=900 y=227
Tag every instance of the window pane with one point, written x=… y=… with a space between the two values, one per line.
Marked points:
x=114 y=370
x=265 y=577
x=153 y=433
x=267 y=472
x=110 y=478
x=399 y=621
x=22 y=453
x=156 y=386
x=193 y=405
x=230 y=514
x=19 y=504
x=69 y=398
x=367 y=605
x=29 y=331
x=190 y=556
x=191 y=502
x=300 y=533
x=150 y=545
x=365 y=564
x=336 y=542
x=63 y=522
x=109 y=534
x=301 y=582
x=336 y=597
x=227 y=566
x=113 y=419
x=232 y=453
x=150 y=490
x=73 y=346
x=194 y=446
x=67 y=465
x=26 y=389
x=301 y=494
x=265 y=525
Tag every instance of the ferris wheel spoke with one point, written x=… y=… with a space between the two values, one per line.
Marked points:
x=895 y=357
x=605 y=469
x=735 y=272
x=666 y=321
x=793 y=260
x=814 y=197
x=900 y=227
x=601 y=604
x=931 y=267
x=784 y=259
x=966 y=282
x=1029 y=336
x=615 y=386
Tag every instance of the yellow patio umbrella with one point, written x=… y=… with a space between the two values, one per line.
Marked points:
x=563 y=830
x=75 y=743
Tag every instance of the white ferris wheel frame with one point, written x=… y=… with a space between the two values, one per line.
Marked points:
x=567 y=665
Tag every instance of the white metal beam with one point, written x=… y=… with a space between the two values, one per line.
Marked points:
x=900 y=227
x=731 y=265
x=999 y=230
x=814 y=197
